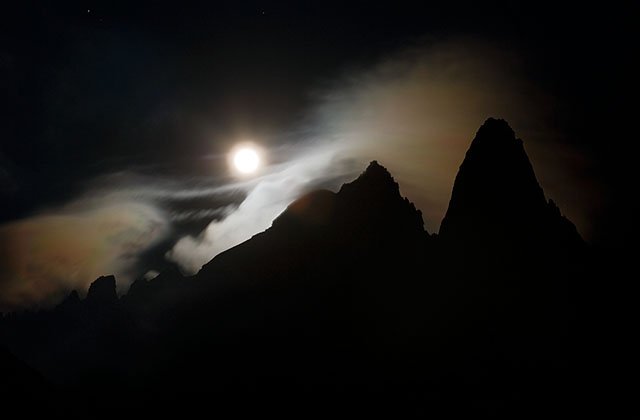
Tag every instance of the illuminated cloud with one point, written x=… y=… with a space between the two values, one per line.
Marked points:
x=264 y=202
x=44 y=257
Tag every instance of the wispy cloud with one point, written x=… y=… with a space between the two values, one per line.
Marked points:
x=45 y=256
x=269 y=196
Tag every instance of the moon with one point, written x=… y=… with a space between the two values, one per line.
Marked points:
x=246 y=160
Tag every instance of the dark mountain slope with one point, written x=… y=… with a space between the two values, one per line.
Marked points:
x=497 y=202
x=328 y=229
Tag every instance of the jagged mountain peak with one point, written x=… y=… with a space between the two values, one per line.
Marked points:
x=496 y=196
x=374 y=183
x=375 y=170
x=371 y=202
x=373 y=199
x=103 y=289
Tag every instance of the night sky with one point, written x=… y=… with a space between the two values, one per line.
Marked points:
x=117 y=118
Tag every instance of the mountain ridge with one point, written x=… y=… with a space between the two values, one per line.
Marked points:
x=345 y=293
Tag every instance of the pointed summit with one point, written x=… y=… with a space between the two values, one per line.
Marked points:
x=374 y=199
x=374 y=183
x=372 y=202
x=496 y=197
x=494 y=133
x=375 y=170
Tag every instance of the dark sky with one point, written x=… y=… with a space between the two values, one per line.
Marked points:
x=91 y=88
x=90 y=85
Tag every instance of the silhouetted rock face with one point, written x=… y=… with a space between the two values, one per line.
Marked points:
x=370 y=205
x=70 y=303
x=322 y=228
x=137 y=288
x=496 y=198
x=374 y=184
x=102 y=290
x=373 y=201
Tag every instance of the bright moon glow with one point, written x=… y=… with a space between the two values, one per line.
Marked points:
x=246 y=160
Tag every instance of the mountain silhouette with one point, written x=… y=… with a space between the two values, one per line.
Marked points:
x=102 y=291
x=497 y=201
x=346 y=300
x=371 y=205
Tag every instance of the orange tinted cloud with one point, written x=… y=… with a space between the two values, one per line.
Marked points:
x=45 y=256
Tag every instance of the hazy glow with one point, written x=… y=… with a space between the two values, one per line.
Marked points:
x=266 y=198
x=46 y=256
x=246 y=160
